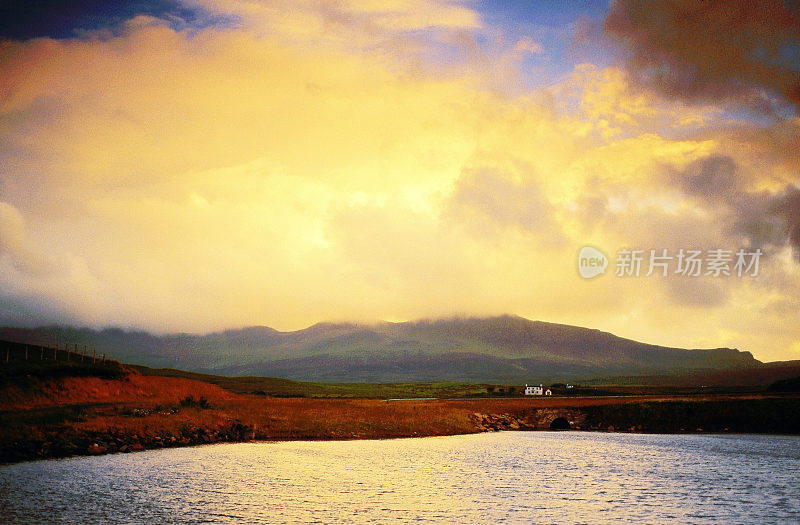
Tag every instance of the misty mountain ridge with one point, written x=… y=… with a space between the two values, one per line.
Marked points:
x=491 y=349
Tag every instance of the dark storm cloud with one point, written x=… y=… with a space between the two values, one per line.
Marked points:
x=762 y=217
x=713 y=177
x=745 y=51
x=24 y=19
x=786 y=208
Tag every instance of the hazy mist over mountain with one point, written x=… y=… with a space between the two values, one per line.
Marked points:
x=502 y=349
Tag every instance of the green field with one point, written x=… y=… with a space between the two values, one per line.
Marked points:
x=277 y=387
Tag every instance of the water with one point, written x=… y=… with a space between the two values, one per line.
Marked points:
x=513 y=477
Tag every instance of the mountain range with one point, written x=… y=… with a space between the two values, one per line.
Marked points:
x=504 y=349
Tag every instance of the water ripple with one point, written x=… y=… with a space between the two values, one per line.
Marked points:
x=511 y=477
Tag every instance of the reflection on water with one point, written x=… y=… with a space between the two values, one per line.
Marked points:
x=525 y=477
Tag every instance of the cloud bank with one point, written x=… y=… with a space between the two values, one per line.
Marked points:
x=304 y=161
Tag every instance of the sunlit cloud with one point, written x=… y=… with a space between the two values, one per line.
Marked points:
x=283 y=163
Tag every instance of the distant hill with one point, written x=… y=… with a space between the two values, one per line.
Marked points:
x=505 y=349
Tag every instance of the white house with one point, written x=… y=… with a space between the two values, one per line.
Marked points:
x=534 y=390
x=537 y=391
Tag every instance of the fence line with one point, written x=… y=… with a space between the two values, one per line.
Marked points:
x=19 y=352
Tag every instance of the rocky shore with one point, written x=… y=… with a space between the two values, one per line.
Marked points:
x=126 y=431
x=766 y=415
x=64 y=443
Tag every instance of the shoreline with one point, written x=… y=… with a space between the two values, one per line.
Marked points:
x=389 y=438
x=105 y=428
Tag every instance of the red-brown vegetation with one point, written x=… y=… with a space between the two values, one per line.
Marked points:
x=51 y=417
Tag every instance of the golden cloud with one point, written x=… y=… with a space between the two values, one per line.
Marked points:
x=307 y=162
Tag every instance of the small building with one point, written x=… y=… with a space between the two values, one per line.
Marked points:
x=531 y=390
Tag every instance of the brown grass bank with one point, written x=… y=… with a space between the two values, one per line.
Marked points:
x=43 y=416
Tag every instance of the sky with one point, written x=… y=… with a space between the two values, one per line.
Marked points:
x=197 y=165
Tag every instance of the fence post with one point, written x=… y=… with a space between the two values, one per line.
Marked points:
x=41 y=352
x=55 y=353
x=26 y=352
x=104 y=357
x=94 y=355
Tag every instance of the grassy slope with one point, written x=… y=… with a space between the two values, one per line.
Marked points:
x=35 y=392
